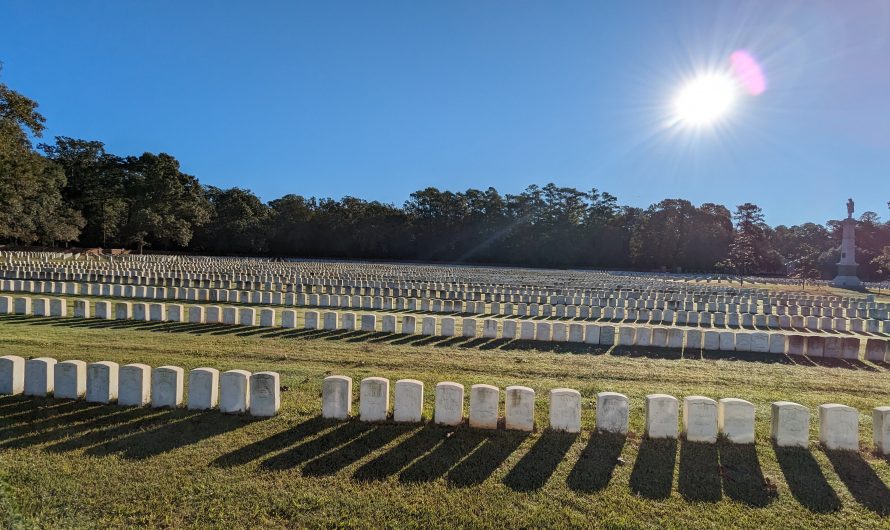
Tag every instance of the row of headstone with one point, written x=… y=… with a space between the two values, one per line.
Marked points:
x=703 y=419
x=139 y=385
x=627 y=286
x=835 y=346
x=643 y=316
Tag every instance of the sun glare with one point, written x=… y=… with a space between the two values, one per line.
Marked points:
x=705 y=100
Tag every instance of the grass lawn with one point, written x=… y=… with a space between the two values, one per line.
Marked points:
x=72 y=464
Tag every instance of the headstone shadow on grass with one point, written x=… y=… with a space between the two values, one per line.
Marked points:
x=452 y=448
x=742 y=475
x=103 y=430
x=496 y=448
x=805 y=479
x=861 y=480
x=407 y=451
x=378 y=437
x=316 y=447
x=276 y=442
x=536 y=467
x=652 y=476
x=182 y=428
x=596 y=464
x=699 y=474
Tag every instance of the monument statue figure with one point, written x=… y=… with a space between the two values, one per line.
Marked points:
x=846 y=267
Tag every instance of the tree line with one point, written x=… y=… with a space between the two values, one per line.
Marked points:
x=74 y=192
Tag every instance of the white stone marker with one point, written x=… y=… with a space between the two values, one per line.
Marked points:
x=230 y=315
x=203 y=388
x=81 y=309
x=265 y=394
x=519 y=406
x=565 y=410
x=880 y=419
x=409 y=325
x=167 y=387
x=700 y=419
x=22 y=306
x=12 y=375
x=347 y=321
x=839 y=427
x=468 y=327
x=123 y=311
x=196 y=314
x=373 y=399
x=175 y=313
x=388 y=324
x=662 y=415
x=70 y=380
x=58 y=307
x=102 y=382
x=267 y=317
x=612 y=412
x=369 y=323
x=246 y=316
x=509 y=329
x=484 y=406
x=134 y=385
x=140 y=311
x=408 y=406
x=712 y=340
x=735 y=420
x=234 y=391
x=449 y=409
x=428 y=326
x=790 y=424
x=289 y=319
x=490 y=330
x=336 y=397
x=40 y=307
x=213 y=314
x=40 y=376
x=526 y=330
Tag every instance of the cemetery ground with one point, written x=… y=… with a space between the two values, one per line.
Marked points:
x=76 y=464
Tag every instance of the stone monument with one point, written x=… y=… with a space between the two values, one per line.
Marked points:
x=846 y=267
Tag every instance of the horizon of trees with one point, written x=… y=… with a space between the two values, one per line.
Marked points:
x=74 y=191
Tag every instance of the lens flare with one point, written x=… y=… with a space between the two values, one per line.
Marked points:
x=748 y=72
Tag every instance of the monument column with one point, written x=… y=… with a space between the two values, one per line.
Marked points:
x=846 y=267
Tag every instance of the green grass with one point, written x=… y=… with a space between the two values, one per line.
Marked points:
x=72 y=464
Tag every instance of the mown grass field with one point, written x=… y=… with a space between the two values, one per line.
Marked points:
x=72 y=464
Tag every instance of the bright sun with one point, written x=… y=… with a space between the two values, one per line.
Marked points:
x=705 y=100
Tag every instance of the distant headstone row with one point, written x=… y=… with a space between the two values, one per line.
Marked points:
x=730 y=340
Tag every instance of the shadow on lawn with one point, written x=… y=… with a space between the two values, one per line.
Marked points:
x=535 y=468
x=862 y=481
x=376 y=437
x=699 y=475
x=169 y=430
x=596 y=464
x=496 y=447
x=806 y=480
x=652 y=476
x=742 y=476
x=274 y=443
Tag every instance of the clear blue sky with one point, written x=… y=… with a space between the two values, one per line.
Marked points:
x=376 y=99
